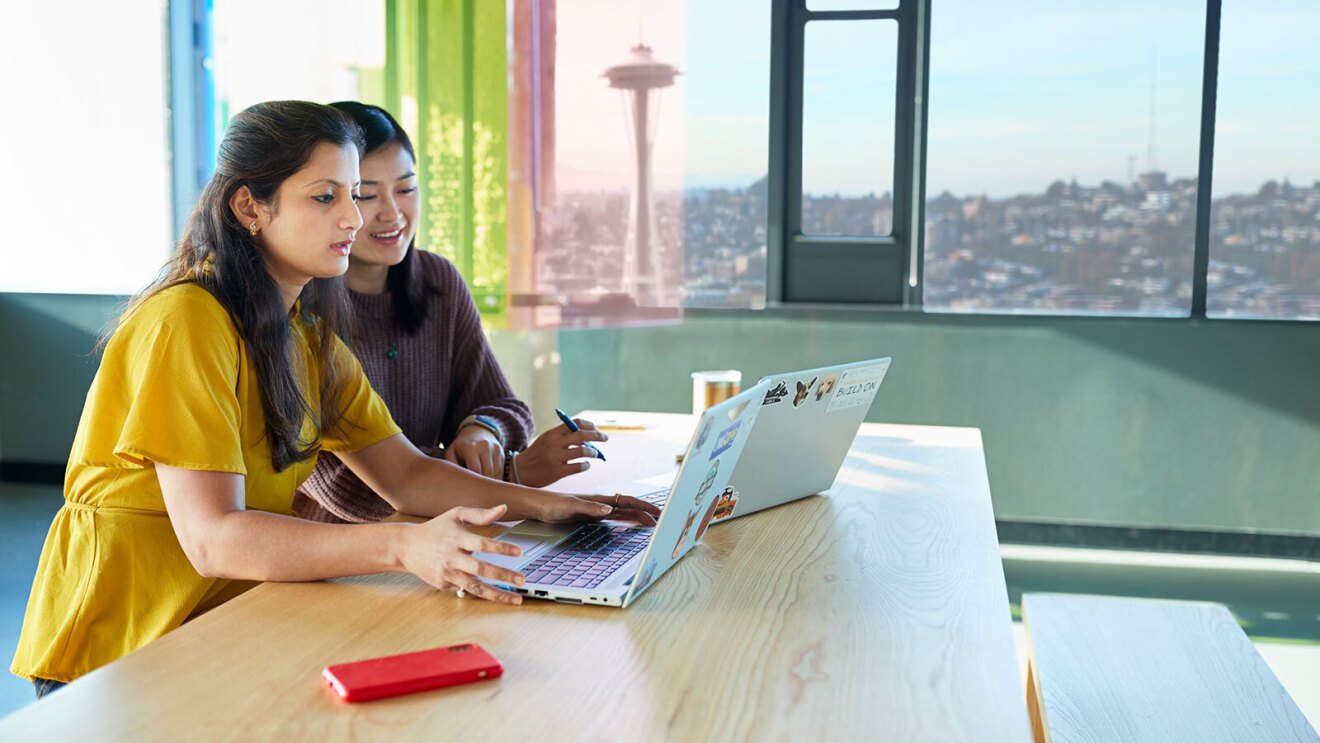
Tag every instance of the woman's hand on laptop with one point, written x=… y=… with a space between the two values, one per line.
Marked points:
x=558 y=508
x=439 y=552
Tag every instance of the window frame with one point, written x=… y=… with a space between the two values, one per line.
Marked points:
x=800 y=267
x=806 y=268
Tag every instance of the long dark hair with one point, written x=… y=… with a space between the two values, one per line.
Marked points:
x=409 y=291
x=262 y=146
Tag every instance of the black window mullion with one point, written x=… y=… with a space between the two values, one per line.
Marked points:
x=797 y=28
x=776 y=235
x=1204 y=180
x=853 y=15
x=912 y=290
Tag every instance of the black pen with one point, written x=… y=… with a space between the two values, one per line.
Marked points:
x=572 y=426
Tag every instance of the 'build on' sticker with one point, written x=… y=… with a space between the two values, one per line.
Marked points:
x=856 y=387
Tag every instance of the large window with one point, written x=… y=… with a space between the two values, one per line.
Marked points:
x=86 y=179
x=727 y=120
x=1062 y=156
x=1265 y=221
x=848 y=76
x=845 y=79
x=337 y=52
x=108 y=106
x=1130 y=158
x=610 y=140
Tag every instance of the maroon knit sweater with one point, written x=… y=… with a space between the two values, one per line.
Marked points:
x=439 y=376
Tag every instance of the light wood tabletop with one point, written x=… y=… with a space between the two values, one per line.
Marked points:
x=877 y=612
x=1103 y=668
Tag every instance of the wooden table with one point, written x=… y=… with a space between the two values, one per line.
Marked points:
x=1104 y=668
x=876 y=613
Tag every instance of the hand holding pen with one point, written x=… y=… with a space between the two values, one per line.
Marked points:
x=575 y=428
x=558 y=453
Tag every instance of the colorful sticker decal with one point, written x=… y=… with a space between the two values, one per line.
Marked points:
x=705 y=432
x=802 y=391
x=776 y=394
x=725 y=440
x=705 y=520
x=710 y=480
x=692 y=516
x=856 y=387
x=825 y=387
x=727 y=501
x=736 y=411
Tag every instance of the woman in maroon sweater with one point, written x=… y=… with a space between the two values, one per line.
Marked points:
x=419 y=338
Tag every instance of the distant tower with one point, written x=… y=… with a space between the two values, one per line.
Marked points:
x=1152 y=163
x=637 y=77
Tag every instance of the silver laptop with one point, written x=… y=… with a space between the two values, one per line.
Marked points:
x=611 y=563
x=809 y=419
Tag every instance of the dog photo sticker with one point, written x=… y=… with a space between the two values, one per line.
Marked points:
x=803 y=390
x=825 y=387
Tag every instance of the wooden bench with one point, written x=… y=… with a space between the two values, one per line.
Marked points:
x=1119 y=669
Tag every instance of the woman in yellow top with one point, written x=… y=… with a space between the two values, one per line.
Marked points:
x=217 y=389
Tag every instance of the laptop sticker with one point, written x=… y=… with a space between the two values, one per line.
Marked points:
x=825 y=387
x=856 y=387
x=710 y=480
x=736 y=411
x=726 y=439
x=727 y=501
x=705 y=432
x=705 y=520
x=802 y=391
x=692 y=516
x=776 y=394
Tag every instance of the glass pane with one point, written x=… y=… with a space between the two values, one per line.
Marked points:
x=848 y=127
x=639 y=150
x=1062 y=156
x=852 y=4
x=728 y=124
x=300 y=65
x=611 y=144
x=1265 y=218
x=85 y=137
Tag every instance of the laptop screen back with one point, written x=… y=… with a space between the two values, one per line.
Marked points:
x=711 y=456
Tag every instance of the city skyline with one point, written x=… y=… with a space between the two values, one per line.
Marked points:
x=1067 y=96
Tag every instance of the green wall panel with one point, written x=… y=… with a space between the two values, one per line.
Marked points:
x=1105 y=420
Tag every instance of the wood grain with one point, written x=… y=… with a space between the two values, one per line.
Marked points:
x=1109 y=669
x=876 y=613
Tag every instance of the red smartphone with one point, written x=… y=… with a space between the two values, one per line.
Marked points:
x=393 y=675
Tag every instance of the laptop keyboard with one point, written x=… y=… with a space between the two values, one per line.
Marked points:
x=588 y=557
x=658 y=498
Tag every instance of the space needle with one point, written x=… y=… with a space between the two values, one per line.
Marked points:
x=637 y=78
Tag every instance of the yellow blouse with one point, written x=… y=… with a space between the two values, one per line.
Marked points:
x=176 y=386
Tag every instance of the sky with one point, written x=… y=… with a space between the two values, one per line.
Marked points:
x=1021 y=93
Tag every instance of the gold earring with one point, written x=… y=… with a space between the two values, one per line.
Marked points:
x=252 y=229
